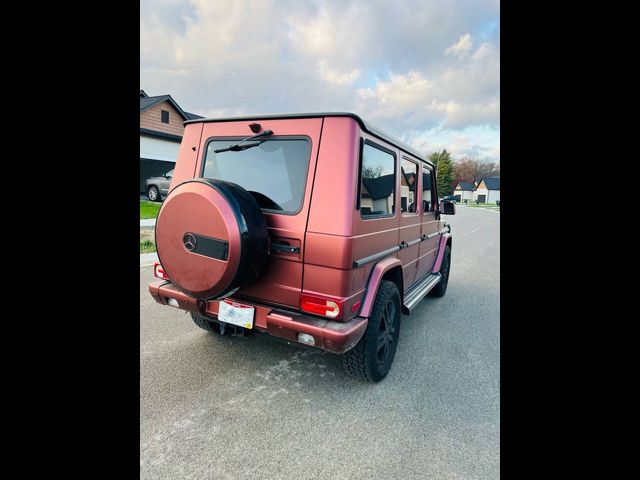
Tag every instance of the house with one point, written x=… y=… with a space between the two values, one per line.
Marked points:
x=161 y=129
x=407 y=189
x=488 y=190
x=377 y=194
x=464 y=191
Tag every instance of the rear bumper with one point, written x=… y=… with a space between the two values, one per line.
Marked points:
x=332 y=336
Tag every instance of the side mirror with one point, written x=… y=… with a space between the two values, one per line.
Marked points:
x=447 y=207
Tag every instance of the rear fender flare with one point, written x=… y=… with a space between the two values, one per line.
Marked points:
x=380 y=268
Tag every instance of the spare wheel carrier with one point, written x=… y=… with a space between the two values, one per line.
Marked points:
x=211 y=238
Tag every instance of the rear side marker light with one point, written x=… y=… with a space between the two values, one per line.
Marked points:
x=172 y=302
x=306 y=338
x=159 y=272
x=321 y=306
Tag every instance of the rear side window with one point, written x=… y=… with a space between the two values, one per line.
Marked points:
x=378 y=182
x=427 y=190
x=274 y=172
x=408 y=184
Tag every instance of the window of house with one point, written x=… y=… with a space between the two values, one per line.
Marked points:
x=164 y=116
x=428 y=190
x=408 y=186
x=378 y=182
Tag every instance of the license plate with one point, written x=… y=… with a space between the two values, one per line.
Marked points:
x=236 y=313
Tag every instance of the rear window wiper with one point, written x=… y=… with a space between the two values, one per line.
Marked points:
x=239 y=147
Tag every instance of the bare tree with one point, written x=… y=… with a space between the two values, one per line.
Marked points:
x=371 y=172
x=472 y=168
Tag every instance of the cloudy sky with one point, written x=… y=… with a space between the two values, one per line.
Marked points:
x=427 y=71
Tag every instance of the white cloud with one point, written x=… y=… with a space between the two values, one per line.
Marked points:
x=483 y=51
x=336 y=77
x=462 y=47
x=394 y=64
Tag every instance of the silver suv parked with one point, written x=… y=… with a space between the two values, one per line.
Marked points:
x=158 y=187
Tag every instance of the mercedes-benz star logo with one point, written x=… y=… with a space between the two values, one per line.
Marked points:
x=189 y=241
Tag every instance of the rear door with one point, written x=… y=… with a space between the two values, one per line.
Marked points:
x=279 y=174
x=410 y=221
x=429 y=222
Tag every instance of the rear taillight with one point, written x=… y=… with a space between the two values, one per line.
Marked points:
x=159 y=272
x=327 y=307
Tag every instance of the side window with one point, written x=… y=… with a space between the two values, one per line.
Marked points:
x=377 y=188
x=427 y=190
x=408 y=184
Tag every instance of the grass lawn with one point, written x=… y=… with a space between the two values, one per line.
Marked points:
x=149 y=209
x=487 y=206
x=147 y=246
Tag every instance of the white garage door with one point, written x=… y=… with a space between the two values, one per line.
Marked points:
x=158 y=149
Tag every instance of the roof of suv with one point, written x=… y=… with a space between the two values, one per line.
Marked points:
x=366 y=126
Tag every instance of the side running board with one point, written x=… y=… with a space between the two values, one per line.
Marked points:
x=418 y=291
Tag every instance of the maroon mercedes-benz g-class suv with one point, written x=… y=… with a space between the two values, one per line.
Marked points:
x=315 y=228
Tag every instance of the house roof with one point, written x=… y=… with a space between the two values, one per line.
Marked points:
x=492 y=183
x=466 y=186
x=426 y=180
x=193 y=116
x=380 y=187
x=147 y=102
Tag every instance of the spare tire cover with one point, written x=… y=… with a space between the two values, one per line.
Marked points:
x=211 y=238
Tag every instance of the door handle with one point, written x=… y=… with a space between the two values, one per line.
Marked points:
x=281 y=248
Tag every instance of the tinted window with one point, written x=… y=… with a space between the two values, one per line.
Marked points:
x=274 y=172
x=408 y=184
x=377 y=188
x=427 y=190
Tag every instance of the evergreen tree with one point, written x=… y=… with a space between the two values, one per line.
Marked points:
x=444 y=172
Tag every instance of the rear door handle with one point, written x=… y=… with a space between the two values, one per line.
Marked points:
x=281 y=248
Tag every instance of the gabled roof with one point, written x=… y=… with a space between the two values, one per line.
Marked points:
x=492 y=183
x=380 y=187
x=147 y=102
x=193 y=116
x=466 y=186
x=426 y=180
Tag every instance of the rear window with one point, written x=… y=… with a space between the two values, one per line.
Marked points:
x=274 y=172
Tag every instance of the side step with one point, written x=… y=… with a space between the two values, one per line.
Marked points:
x=418 y=291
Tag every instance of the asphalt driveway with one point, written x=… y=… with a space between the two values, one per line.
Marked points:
x=236 y=408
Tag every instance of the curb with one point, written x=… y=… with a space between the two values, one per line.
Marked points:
x=148 y=259
x=148 y=223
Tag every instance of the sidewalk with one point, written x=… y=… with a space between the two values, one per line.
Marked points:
x=148 y=223
x=147 y=259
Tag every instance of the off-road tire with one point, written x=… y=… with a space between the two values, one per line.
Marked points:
x=362 y=361
x=441 y=288
x=157 y=190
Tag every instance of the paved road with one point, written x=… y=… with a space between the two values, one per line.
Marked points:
x=255 y=408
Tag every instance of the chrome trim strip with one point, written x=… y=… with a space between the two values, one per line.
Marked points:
x=389 y=251
x=414 y=242
x=375 y=256
x=439 y=232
